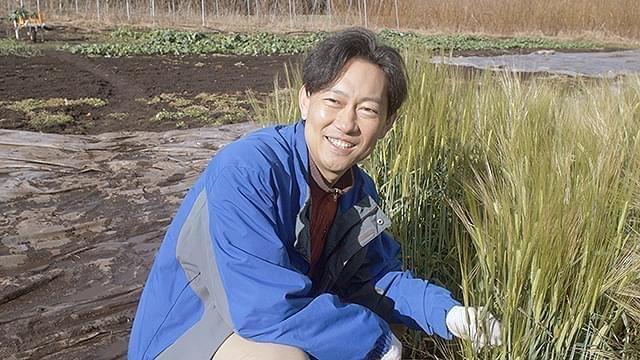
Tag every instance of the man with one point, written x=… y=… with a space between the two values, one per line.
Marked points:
x=279 y=251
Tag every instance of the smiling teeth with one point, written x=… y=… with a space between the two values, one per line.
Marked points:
x=339 y=143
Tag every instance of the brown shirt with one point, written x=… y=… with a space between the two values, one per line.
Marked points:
x=324 y=206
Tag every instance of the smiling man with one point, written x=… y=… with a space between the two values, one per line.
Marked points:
x=280 y=249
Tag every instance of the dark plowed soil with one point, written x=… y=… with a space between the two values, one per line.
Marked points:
x=124 y=83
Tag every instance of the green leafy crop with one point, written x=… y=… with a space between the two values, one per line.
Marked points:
x=462 y=42
x=11 y=47
x=127 y=42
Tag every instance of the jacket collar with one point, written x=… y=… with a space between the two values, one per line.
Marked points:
x=301 y=162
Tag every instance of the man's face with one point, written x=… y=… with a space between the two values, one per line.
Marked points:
x=344 y=121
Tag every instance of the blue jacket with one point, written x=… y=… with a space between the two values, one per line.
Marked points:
x=235 y=259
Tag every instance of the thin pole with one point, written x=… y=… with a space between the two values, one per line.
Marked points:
x=202 y=11
x=153 y=11
x=329 y=10
x=257 y=8
x=366 y=23
x=76 y=1
x=217 y=9
x=38 y=6
x=98 y=9
x=128 y=11
x=248 y=8
x=290 y=15
x=397 y=17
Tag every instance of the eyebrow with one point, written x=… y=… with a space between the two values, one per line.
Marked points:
x=340 y=92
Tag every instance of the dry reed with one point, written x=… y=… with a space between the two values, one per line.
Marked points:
x=609 y=20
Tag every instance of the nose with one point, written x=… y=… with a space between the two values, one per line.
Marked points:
x=345 y=120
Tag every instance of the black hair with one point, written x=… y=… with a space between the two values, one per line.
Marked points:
x=325 y=63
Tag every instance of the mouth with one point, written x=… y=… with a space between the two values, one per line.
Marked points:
x=340 y=144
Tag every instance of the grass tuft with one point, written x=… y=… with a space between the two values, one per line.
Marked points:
x=202 y=110
x=45 y=114
x=43 y=120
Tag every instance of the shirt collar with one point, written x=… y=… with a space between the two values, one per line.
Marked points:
x=344 y=184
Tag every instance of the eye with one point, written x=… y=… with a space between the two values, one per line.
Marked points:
x=369 y=111
x=331 y=102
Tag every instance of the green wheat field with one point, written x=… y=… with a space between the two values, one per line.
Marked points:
x=523 y=194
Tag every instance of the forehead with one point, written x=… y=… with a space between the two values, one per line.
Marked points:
x=361 y=77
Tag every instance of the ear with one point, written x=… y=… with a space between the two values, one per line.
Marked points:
x=303 y=102
x=388 y=124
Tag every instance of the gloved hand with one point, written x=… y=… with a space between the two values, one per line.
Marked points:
x=466 y=323
x=395 y=350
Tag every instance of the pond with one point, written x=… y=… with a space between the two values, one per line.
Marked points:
x=589 y=64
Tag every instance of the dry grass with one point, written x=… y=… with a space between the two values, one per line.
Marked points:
x=615 y=20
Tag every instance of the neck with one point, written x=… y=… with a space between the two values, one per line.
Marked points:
x=341 y=182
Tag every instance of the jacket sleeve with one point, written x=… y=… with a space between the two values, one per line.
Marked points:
x=414 y=302
x=268 y=299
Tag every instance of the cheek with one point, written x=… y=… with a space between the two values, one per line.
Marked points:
x=373 y=134
x=324 y=114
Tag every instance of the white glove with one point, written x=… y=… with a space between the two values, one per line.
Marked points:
x=395 y=350
x=476 y=325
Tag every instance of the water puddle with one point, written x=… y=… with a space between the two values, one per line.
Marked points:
x=589 y=64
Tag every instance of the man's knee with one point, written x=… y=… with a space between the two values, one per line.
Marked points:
x=239 y=348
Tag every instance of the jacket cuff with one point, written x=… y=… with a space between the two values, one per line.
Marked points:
x=436 y=309
x=382 y=346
